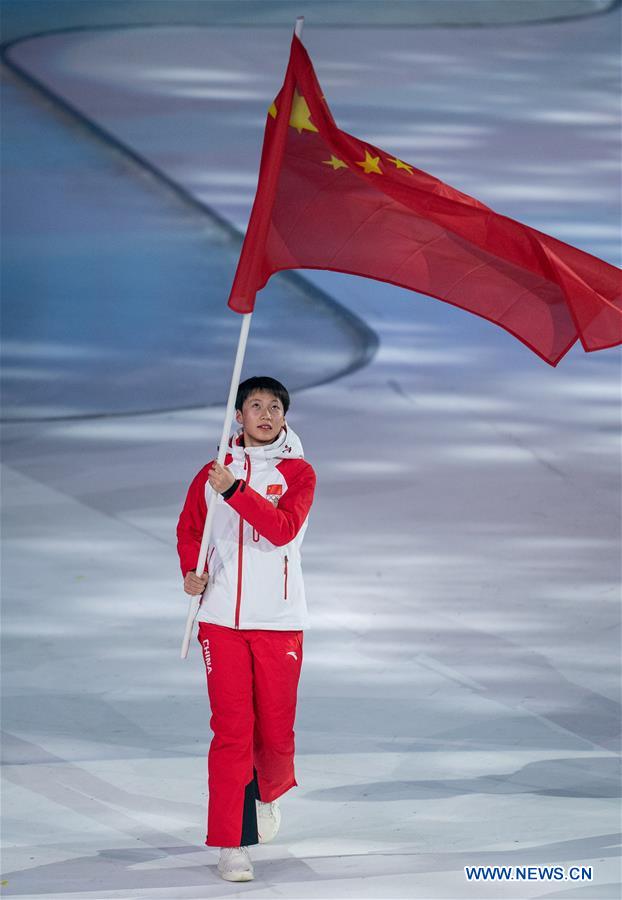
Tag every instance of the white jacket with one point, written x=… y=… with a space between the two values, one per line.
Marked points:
x=253 y=559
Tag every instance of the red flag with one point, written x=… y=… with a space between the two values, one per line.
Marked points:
x=326 y=200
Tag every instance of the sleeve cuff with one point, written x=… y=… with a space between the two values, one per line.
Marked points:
x=231 y=490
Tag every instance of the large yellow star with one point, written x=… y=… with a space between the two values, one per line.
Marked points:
x=334 y=162
x=300 y=115
x=370 y=164
x=401 y=165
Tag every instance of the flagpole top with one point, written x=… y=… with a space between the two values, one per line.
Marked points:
x=300 y=20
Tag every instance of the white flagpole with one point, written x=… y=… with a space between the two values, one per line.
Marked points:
x=195 y=602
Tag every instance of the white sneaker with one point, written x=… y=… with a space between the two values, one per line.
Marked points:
x=268 y=820
x=235 y=864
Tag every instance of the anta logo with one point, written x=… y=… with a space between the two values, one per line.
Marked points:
x=291 y=653
x=207 y=655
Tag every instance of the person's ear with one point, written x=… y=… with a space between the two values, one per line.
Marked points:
x=238 y=416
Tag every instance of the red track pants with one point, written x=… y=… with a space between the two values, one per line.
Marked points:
x=252 y=682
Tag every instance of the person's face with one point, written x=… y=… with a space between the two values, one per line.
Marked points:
x=262 y=417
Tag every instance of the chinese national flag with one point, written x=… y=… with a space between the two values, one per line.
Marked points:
x=326 y=200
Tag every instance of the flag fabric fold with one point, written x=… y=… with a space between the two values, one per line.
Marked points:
x=327 y=200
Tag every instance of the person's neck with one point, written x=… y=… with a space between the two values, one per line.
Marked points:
x=248 y=442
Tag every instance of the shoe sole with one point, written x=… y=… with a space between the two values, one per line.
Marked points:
x=237 y=876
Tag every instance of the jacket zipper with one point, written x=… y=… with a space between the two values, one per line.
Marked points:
x=286 y=577
x=241 y=552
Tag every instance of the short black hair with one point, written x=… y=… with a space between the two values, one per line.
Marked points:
x=262 y=383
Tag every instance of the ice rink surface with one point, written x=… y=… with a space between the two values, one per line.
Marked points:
x=460 y=697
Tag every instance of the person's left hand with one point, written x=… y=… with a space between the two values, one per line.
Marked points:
x=220 y=478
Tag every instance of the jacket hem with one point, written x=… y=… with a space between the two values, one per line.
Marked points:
x=264 y=626
x=271 y=626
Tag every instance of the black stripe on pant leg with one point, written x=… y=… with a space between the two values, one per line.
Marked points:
x=249 y=814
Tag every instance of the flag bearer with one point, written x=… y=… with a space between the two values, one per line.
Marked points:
x=251 y=618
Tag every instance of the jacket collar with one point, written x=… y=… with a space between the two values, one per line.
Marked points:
x=286 y=446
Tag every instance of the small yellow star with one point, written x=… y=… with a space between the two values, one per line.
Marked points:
x=272 y=110
x=334 y=162
x=370 y=164
x=401 y=165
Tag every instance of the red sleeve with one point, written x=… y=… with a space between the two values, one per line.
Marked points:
x=191 y=522
x=278 y=524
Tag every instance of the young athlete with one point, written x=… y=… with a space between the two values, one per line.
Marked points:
x=251 y=618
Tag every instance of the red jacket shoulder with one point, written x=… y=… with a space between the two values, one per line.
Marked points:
x=293 y=469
